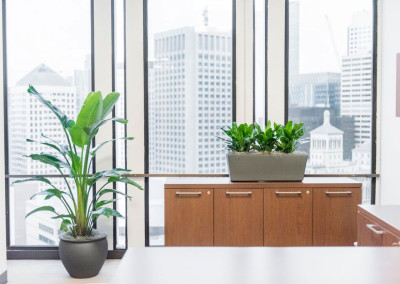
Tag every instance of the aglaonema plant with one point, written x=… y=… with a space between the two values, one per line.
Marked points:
x=265 y=139
x=288 y=136
x=74 y=159
x=241 y=137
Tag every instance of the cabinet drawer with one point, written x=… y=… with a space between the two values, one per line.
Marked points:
x=369 y=233
x=238 y=217
x=335 y=216
x=189 y=217
x=288 y=217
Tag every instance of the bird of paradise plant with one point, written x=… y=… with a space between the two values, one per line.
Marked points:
x=73 y=160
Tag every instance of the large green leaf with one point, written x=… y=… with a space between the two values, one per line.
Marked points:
x=107 y=190
x=92 y=131
x=43 y=208
x=91 y=113
x=49 y=160
x=78 y=136
x=59 y=149
x=106 y=211
x=35 y=178
x=104 y=202
x=50 y=193
x=124 y=180
x=108 y=173
x=65 y=121
x=108 y=103
x=76 y=164
x=63 y=148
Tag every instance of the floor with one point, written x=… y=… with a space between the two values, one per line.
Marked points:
x=52 y=271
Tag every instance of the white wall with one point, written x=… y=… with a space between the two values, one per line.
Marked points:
x=389 y=192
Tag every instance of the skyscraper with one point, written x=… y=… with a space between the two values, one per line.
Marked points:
x=29 y=118
x=190 y=99
x=356 y=98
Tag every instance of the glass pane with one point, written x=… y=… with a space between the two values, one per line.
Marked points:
x=48 y=46
x=39 y=229
x=189 y=84
x=330 y=82
x=120 y=154
x=259 y=61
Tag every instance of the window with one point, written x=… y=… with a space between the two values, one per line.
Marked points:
x=49 y=46
x=328 y=90
x=184 y=95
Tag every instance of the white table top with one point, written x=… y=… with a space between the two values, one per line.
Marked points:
x=309 y=265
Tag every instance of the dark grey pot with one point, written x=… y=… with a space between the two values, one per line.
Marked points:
x=83 y=258
x=267 y=166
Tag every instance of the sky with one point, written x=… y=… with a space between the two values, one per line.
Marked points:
x=56 y=33
x=317 y=53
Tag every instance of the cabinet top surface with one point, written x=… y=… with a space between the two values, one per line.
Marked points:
x=233 y=265
x=187 y=182
x=388 y=214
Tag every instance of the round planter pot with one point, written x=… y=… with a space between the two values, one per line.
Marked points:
x=83 y=257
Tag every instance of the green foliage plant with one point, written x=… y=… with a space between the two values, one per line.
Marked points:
x=241 y=137
x=288 y=136
x=251 y=137
x=73 y=160
x=265 y=139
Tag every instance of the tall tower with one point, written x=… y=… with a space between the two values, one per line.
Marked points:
x=356 y=94
x=29 y=118
x=190 y=87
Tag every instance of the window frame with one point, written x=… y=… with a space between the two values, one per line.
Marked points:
x=373 y=175
x=147 y=174
x=51 y=252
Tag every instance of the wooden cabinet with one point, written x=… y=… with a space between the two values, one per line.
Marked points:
x=288 y=217
x=189 y=217
x=375 y=226
x=369 y=233
x=238 y=217
x=305 y=213
x=335 y=216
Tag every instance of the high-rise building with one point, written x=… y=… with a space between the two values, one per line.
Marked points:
x=320 y=90
x=190 y=99
x=82 y=83
x=29 y=118
x=356 y=98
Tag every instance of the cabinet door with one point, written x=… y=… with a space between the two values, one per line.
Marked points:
x=288 y=217
x=335 y=216
x=370 y=233
x=189 y=217
x=238 y=217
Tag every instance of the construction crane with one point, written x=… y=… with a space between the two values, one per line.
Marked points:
x=333 y=40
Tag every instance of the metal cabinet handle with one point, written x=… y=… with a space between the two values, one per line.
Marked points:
x=188 y=193
x=239 y=193
x=288 y=192
x=371 y=227
x=337 y=192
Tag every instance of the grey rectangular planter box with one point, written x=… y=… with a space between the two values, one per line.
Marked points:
x=267 y=166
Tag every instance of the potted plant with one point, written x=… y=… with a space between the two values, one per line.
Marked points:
x=82 y=249
x=265 y=155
